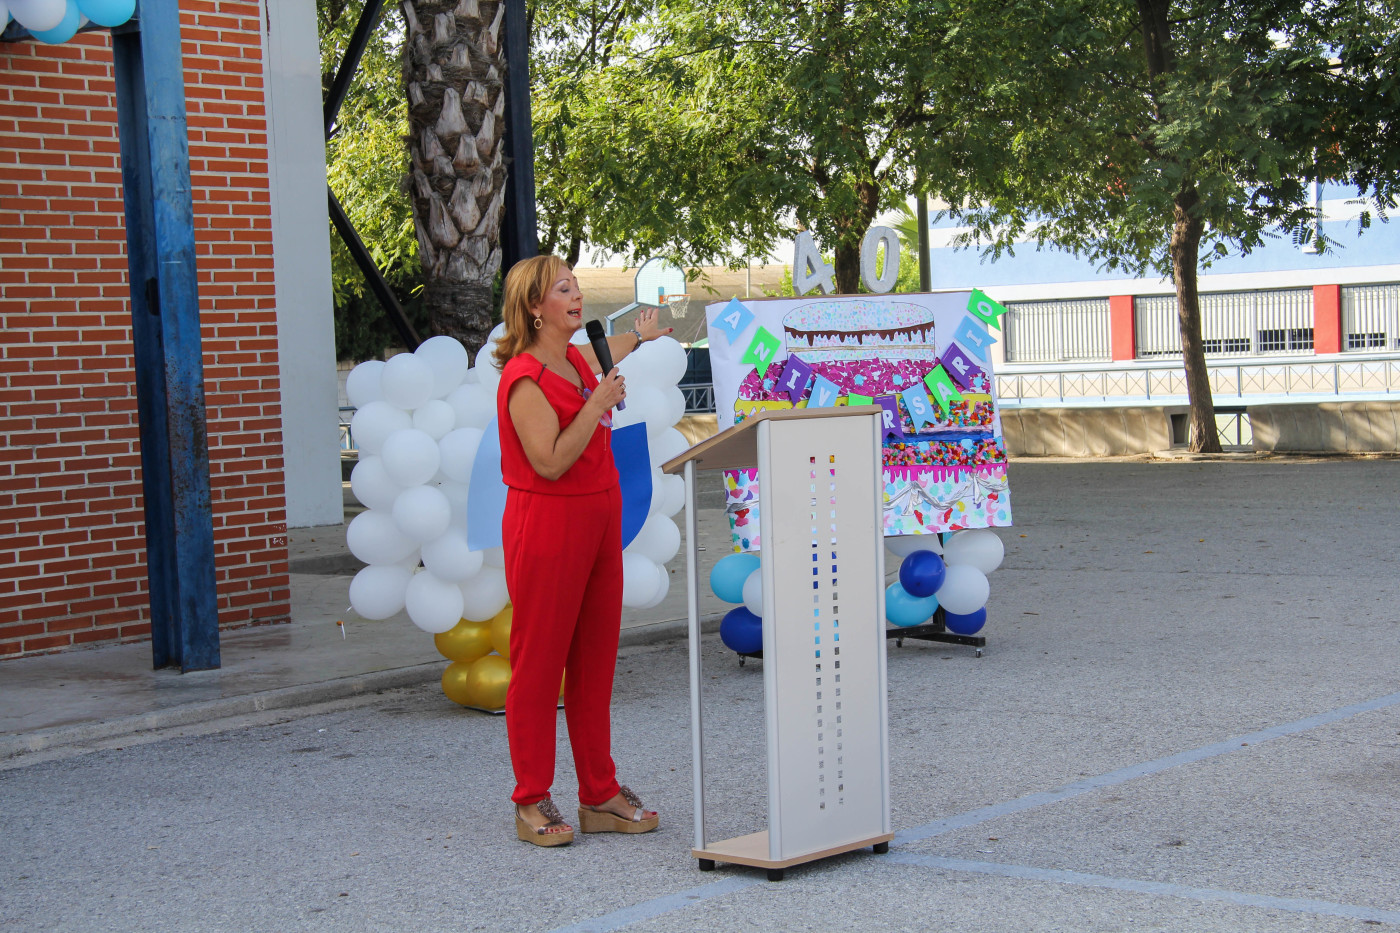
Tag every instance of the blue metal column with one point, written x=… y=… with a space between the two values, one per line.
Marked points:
x=165 y=329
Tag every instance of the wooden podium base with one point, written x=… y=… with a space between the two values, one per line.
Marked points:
x=752 y=850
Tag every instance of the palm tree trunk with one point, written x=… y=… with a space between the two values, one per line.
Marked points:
x=453 y=71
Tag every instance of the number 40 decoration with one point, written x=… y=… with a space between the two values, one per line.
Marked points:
x=810 y=270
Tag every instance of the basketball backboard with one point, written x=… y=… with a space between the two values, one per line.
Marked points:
x=656 y=279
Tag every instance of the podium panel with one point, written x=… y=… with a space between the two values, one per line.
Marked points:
x=823 y=633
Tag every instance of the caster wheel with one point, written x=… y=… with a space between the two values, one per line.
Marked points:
x=775 y=874
x=741 y=661
x=979 y=652
x=881 y=848
x=899 y=642
x=707 y=864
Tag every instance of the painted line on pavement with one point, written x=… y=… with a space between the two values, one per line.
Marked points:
x=1298 y=905
x=1145 y=769
x=657 y=906
x=645 y=910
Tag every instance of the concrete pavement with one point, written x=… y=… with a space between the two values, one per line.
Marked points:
x=1187 y=718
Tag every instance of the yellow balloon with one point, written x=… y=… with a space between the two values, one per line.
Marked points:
x=561 y=684
x=500 y=631
x=487 y=681
x=454 y=682
x=466 y=642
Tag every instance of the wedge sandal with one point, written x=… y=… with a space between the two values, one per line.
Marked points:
x=541 y=835
x=594 y=820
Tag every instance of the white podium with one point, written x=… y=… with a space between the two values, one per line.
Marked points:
x=823 y=567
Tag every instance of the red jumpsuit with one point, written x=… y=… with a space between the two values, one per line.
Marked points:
x=563 y=553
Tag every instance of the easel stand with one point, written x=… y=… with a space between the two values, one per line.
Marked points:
x=935 y=630
x=824 y=681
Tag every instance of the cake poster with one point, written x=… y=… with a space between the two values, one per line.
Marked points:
x=923 y=358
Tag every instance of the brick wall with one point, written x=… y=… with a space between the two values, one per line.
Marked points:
x=72 y=535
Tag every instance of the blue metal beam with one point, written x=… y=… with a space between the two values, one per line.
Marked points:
x=166 y=332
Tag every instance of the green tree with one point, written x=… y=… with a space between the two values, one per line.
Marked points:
x=1162 y=134
x=365 y=165
x=723 y=126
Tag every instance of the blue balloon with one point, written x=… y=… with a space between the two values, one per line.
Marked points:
x=729 y=573
x=741 y=631
x=64 y=30
x=965 y=624
x=905 y=610
x=107 y=12
x=922 y=573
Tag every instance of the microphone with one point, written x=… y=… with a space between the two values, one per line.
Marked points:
x=599 y=341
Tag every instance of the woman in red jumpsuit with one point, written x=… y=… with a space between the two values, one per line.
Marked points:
x=562 y=534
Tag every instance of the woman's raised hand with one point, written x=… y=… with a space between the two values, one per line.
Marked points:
x=647 y=327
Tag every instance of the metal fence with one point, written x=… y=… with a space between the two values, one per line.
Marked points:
x=1278 y=321
x=1057 y=331
x=1371 y=317
x=1368 y=375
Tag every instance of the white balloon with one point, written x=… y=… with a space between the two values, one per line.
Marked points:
x=471 y=378
x=640 y=369
x=434 y=605
x=753 y=593
x=38 y=15
x=964 y=590
x=374 y=422
x=370 y=483
x=410 y=457
x=485 y=594
x=473 y=405
x=448 y=557
x=458 y=451
x=378 y=592
x=672 y=495
x=448 y=360
x=904 y=545
x=639 y=580
x=362 y=385
x=673 y=405
x=422 y=513
x=654 y=508
x=670 y=360
x=666 y=445
x=494 y=557
x=373 y=538
x=434 y=418
x=662 y=590
x=487 y=373
x=407 y=381
x=456 y=494
x=4 y=15
x=978 y=548
x=658 y=539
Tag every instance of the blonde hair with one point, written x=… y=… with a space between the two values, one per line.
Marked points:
x=527 y=282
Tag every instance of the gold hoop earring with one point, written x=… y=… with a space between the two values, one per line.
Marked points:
x=539 y=324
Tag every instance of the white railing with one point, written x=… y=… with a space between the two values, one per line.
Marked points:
x=1232 y=323
x=1057 y=331
x=1303 y=378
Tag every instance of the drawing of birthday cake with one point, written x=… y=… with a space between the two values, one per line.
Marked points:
x=862 y=329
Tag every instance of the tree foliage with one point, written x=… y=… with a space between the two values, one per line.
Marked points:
x=1163 y=134
x=721 y=127
x=365 y=165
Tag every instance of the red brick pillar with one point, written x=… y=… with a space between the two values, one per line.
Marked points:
x=1327 y=319
x=1122 y=328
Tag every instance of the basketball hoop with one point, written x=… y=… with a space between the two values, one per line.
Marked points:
x=679 y=305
